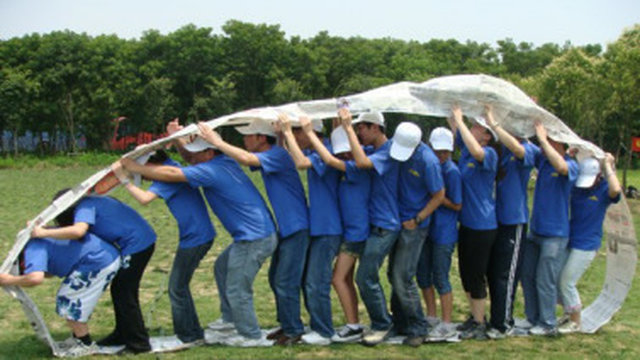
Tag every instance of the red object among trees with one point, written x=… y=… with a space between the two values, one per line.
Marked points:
x=635 y=144
x=130 y=141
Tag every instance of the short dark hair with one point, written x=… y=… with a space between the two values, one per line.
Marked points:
x=66 y=217
x=159 y=157
x=271 y=140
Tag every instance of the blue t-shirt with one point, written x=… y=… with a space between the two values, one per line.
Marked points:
x=115 y=222
x=189 y=210
x=284 y=188
x=420 y=177
x=61 y=257
x=511 y=188
x=232 y=197
x=444 y=229
x=550 y=214
x=588 y=208
x=383 y=204
x=354 y=190
x=324 y=211
x=478 y=188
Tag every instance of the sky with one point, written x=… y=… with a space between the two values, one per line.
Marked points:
x=557 y=21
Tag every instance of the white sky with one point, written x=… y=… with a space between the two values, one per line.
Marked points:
x=579 y=21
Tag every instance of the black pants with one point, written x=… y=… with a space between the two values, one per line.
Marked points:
x=124 y=294
x=474 y=251
x=503 y=273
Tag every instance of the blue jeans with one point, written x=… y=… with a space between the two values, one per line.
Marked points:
x=434 y=266
x=235 y=270
x=541 y=267
x=185 y=318
x=285 y=279
x=378 y=245
x=576 y=264
x=317 y=282
x=406 y=307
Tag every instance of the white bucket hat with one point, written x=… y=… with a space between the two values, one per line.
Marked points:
x=483 y=122
x=405 y=140
x=441 y=138
x=340 y=141
x=257 y=126
x=589 y=170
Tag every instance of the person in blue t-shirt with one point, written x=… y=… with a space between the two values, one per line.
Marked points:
x=117 y=223
x=196 y=234
x=515 y=164
x=420 y=192
x=243 y=213
x=384 y=215
x=546 y=245
x=590 y=198
x=325 y=230
x=353 y=196
x=87 y=265
x=435 y=260
x=289 y=203
x=478 y=226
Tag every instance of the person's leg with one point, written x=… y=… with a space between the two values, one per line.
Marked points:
x=343 y=284
x=441 y=266
x=220 y=270
x=424 y=277
x=288 y=281
x=377 y=246
x=552 y=255
x=577 y=263
x=244 y=261
x=186 y=324
x=273 y=267
x=322 y=251
x=528 y=278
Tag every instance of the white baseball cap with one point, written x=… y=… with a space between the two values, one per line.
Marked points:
x=370 y=117
x=340 y=141
x=316 y=123
x=483 y=122
x=199 y=144
x=257 y=126
x=589 y=170
x=441 y=138
x=405 y=140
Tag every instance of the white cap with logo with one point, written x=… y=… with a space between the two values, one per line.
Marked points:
x=589 y=170
x=257 y=126
x=405 y=140
x=441 y=138
x=340 y=141
x=370 y=117
x=199 y=144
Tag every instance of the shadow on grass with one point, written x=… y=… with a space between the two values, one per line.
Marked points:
x=26 y=347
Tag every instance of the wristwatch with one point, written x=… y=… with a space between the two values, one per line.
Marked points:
x=417 y=219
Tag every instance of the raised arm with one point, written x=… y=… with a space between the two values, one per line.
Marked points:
x=555 y=158
x=71 y=232
x=609 y=166
x=238 y=154
x=324 y=153
x=467 y=137
x=160 y=173
x=301 y=161
x=507 y=139
x=172 y=127
x=361 y=159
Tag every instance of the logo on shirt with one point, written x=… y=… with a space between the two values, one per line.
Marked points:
x=513 y=158
x=414 y=173
x=593 y=197
x=554 y=174
x=471 y=165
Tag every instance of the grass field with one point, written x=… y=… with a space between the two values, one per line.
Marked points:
x=26 y=191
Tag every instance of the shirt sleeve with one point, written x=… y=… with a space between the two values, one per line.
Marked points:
x=273 y=160
x=163 y=190
x=574 y=169
x=433 y=175
x=85 y=213
x=490 y=161
x=530 y=152
x=316 y=162
x=35 y=258
x=202 y=174
x=454 y=186
x=351 y=171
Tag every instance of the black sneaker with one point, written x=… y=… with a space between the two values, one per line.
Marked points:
x=477 y=331
x=347 y=334
x=111 y=340
x=466 y=325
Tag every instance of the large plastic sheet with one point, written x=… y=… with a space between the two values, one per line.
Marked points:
x=513 y=109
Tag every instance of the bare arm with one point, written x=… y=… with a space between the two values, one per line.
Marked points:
x=361 y=159
x=450 y=205
x=324 y=153
x=160 y=173
x=71 y=232
x=432 y=205
x=28 y=280
x=507 y=139
x=240 y=155
x=301 y=161
x=472 y=144
x=555 y=159
x=610 y=174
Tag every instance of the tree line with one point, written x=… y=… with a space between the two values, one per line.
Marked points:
x=69 y=83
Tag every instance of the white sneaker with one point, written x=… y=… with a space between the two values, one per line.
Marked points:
x=495 y=334
x=569 y=327
x=543 y=331
x=375 y=337
x=171 y=343
x=313 y=338
x=80 y=349
x=522 y=323
x=433 y=321
x=67 y=344
x=243 y=341
x=221 y=324
x=442 y=331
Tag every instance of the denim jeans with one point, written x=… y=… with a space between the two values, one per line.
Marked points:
x=541 y=267
x=185 y=318
x=577 y=263
x=406 y=307
x=317 y=282
x=377 y=247
x=235 y=270
x=434 y=266
x=285 y=278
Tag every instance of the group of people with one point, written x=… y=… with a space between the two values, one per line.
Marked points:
x=369 y=198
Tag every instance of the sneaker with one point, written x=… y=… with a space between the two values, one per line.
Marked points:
x=476 y=331
x=67 y=344
x=275 y=334
x=563 y=319
x=221 y=324
x=432 y=321
x=111 y=340
x=172 y=343
x=522 y=323
x=313 y=338
x=80 y=349
x=348 y=334
x=442 y=332
x=285 y=340
x=569 y=327
x=543 y=331
x=375 y=337
x=243 y=341
x=517 y=331
x=466 y=325
x=495 y=334
x=413 y=341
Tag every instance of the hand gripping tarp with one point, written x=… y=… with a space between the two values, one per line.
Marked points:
x=514 y=110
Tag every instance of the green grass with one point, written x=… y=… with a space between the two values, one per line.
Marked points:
x=26 y=191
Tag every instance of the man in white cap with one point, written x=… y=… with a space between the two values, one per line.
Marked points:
x=420 y=192
x=590 y=197
x=384 y=215
x=244 y=214
x=289 y=203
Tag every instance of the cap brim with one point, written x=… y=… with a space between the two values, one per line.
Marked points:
x=585 y=181
x=441 y=146
x=245 y=130
x=400 y=153
x=199 y=144
x=142 y=159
